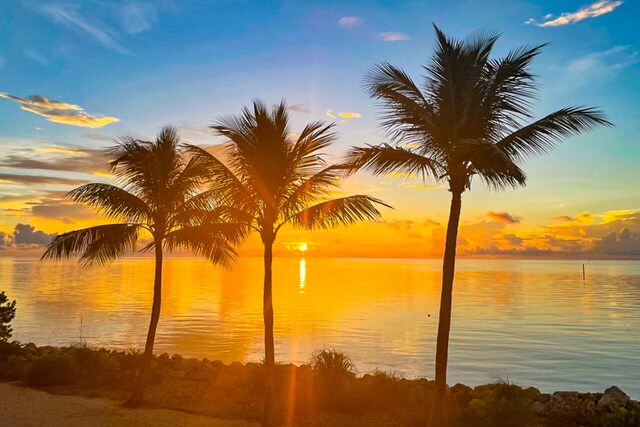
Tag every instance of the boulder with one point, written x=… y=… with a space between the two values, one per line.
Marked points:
x=613 y=397
x=177 y=356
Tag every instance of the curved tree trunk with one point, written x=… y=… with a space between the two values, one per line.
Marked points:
x=438 y=416
x=269 y=350
x=138 y=389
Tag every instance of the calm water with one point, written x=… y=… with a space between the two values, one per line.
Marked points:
x=533 y=321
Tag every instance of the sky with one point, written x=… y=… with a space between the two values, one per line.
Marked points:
x=76 y=75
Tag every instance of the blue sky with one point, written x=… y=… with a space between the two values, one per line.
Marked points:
x=186 y=63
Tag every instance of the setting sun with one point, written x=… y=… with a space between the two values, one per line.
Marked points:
x=303 y=247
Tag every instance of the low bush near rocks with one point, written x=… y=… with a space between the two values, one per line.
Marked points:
x=52 y=369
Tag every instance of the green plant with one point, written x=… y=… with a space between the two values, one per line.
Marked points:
x=52 y=369
x=332 y=365
x=620 y=417
x=7 y=313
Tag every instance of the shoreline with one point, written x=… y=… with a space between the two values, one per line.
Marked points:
x=308 y=394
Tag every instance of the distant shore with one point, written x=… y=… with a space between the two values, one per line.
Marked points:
x=324 y=392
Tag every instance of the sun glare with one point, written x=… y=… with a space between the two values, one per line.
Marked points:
x=303 y=247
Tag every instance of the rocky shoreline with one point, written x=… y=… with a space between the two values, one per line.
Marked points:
x=312 y=394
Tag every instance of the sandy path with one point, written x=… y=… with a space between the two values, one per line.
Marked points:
x=25 y=407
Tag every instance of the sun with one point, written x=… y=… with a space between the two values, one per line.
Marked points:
x=302 y=247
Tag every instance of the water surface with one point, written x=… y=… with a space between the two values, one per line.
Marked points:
x=535 y=322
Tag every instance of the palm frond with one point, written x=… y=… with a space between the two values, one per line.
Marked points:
x=210 y=241
x=112 y=201
x=313 y=188
x=98 y=244
x=336 y=212
x=544 y=134
x=382 y=159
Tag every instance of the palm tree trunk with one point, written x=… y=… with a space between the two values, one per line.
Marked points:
x=138 y=389
x=439 y=413
x=269 y=350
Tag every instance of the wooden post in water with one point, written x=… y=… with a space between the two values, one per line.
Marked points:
x=583 y=273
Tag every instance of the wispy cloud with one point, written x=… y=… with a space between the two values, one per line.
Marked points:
x=349 y=21
x=299 y=108
x=35 y=56
x=138 y=17
x=594 y=10
x=69 y=16
x=343 y=115
x=392 y=36
x=348 y=115
x=59 y=112
x=616 y=58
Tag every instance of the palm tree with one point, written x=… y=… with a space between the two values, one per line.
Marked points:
x=471 y=116
x=158 y=197
x=277 y=179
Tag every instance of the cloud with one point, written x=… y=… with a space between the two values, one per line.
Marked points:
x=623 y=242
x=413 y=229
x=603 y=63
x=138 y=17
x=35 y=56
x=343 y=115
x=58 y=159
x=392 y=36
x=25 y=234
x=349 y=21
x=59 y=112
x=563 y=218
x=299 y=108
x=39 y=179
x=594 y=10
x=503 y=217
x=347 y=115
x=68 y=213
x=68 y=16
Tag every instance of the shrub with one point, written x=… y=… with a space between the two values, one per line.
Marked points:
x=13 y=368
x=332 y=365
x=502 y=404
x=52 y=369
x=7 y=313
x=332 y=370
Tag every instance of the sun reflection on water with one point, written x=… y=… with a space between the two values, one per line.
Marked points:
x=303 y=274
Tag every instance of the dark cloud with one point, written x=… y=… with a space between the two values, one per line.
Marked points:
x=623 y=242
x=563 y=218
x=62 y=210
x=81 y=160
x=513 y=239
x=25 y=234
x=503 y=217
x=40 y=179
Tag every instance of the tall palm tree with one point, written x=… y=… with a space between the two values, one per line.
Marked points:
x=470 y=116
x=158 y=197
x=277 y=179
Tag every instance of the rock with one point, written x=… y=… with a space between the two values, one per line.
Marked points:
x=177 y=374
x=613 y=397
x=556 y=405
x=177 y=356
x=538 y=407
x=462 y=394
x=217 y=364
x=164 y=358
x=206 y=361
